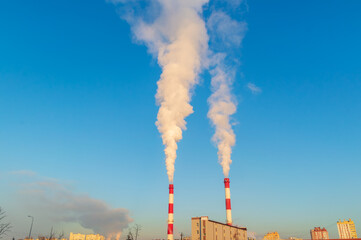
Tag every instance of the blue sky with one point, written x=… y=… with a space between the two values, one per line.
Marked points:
x=77 y=106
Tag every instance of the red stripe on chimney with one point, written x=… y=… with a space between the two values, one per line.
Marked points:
x=170 y=208
x=170 y=228
x=228 y=204
x=171 y=188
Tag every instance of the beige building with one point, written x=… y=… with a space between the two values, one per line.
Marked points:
x=76 y=236
x=271 y=236
x=94 y=237
x=79 y=236
x=346 y=229
x=205 y=229
x=319 y=233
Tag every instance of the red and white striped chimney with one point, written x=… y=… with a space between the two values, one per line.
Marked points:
x=170 y=212
x=228 y=201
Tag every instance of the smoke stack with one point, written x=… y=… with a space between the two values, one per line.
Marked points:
x=170 y=212
x=228 y=201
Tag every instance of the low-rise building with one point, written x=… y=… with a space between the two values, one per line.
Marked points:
x=94 y=237
x=271 y=236
x=205 y=229
x=76 y=236
x=79 y=236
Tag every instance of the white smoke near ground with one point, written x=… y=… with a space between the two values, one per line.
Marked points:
x=226 y=33
x=63 y=205
x=177 y=36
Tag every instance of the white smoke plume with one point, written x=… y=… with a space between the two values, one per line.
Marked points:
x=226 y=33
x=177 y=36
x=63 y=205
x=222 y=105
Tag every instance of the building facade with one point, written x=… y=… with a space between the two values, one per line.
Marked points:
x=76 y=236
x=94 y=237
x=271 y=236
x=346 y=229
x=79 y=236
x=319 y=233
x=205 y=229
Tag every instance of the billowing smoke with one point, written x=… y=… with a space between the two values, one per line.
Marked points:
x=62 y=205
x=175 y=33
x=177 y=36
x=226 y=34
x=221 y=106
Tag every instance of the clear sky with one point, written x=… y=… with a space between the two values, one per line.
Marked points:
x=77 y=108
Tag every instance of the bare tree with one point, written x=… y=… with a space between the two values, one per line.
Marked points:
x=4 y=226
x=130 y=235
x=137 y=228
x=52 y=234
x=61 y=235
x=134 y=232
x=41 y=237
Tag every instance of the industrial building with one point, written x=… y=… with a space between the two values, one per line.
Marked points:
x=271 y=236
x=205 y=229
x=318 y=233
x=346 y=229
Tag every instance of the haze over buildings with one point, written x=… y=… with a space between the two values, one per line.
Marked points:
x=201 y=228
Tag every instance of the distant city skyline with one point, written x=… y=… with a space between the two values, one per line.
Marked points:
x=79 y=141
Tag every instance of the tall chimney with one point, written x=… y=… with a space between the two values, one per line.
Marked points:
x=170 y=212
x=228 y=201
